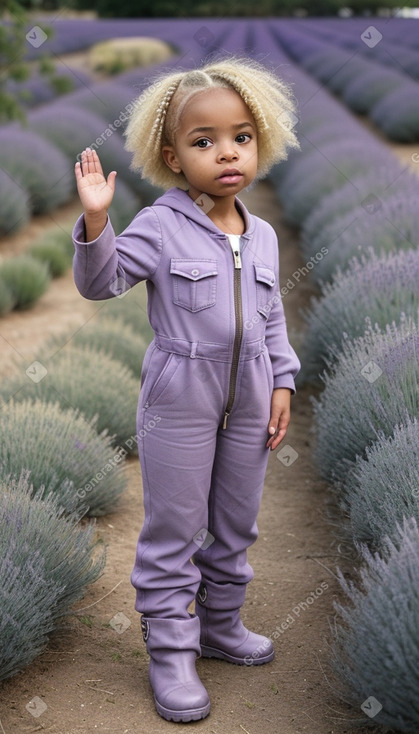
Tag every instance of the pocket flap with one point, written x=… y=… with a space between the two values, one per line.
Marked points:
x=193 y=269
x=265 y=275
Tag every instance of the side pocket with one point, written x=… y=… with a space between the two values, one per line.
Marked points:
x=163 y=378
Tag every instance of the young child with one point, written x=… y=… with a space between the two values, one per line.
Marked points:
x=217 y=379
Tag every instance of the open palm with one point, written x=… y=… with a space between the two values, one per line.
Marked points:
x=95 y=191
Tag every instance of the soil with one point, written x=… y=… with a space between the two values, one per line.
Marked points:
x=93 y=677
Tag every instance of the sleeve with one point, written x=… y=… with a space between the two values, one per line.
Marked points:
x=285 y=362
x=110 y=265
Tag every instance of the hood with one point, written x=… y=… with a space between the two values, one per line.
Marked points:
x=179 y=200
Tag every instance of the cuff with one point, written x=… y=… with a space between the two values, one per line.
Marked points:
x=285 y=381
x=79 y=231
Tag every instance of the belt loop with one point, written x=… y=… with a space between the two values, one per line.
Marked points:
x=193 y=350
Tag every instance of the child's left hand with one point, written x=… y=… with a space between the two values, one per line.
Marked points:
x=280 y=416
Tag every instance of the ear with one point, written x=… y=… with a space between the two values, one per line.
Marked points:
x=170 y=158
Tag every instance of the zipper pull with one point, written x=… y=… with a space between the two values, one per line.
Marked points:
x=226 y=414
x=237 y=260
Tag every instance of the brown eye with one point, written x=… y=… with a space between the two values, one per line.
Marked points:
x=202 y=143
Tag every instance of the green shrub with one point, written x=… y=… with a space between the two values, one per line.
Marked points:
x=26 y=278
x=119 y=54
x=59 y=235
x=52 y=253
x=14 y=205
x=112 y=336
x=89 y=381
x=376 y=641
x=7 y=301
x=131 y=309
x=63 y=453
x=46 y=561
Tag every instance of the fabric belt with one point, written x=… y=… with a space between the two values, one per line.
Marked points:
x=208 y=350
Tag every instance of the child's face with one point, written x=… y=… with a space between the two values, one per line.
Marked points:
x=228 y=142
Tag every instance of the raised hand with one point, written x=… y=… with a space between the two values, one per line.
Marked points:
x=96 y=192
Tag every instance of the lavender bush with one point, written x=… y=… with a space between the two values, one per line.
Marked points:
x=364 y=91
x=64 y=454
x=131 y=309
x=334 y=67
x=46 y=562
x=72 y=129
x=107 y=100
x=40 y=90
x=382 y=181
x=85 y=380
x=27 y=598
x=14 y=205
x=397 y=114
x=374 y=290
x=125 y=205
x=112 y=336
x=26 y=278
x=371 y=388
x=7 y=301
x=60 y=236
x=53 y=254
x=37 y=166
x=387 y=225
x=376 y=639
x=320 y=172
x=383 y=488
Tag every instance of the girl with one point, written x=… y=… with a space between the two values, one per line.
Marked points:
x=218 y=376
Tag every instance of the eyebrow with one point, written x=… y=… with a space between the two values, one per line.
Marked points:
x=205 y=129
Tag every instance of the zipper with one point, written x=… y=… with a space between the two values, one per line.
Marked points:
x=238 y=315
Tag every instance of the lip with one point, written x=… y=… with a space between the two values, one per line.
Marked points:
x=230 y=175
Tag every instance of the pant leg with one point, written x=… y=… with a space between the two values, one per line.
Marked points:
x=177 y=457
x=237 y=479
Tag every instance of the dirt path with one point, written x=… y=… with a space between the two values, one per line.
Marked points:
x=93 y=678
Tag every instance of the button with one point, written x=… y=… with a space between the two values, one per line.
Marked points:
x=195 y=271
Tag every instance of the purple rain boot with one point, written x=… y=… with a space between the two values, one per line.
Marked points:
x=223 y=634
x=173 y=646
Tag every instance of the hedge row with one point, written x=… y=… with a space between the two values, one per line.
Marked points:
x=356 y=206
x=66 y=427
x=388 y=95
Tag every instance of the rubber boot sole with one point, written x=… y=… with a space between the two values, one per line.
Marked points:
x=213 y=652
x=182 y=716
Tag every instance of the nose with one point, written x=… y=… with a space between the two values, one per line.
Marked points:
x=227 y=153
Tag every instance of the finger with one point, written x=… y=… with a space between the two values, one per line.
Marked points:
x=84 y=167
x=90 y=161
x=274 y=421
x=276 y=440
x=78 y=171
x=278 y=429
x=111 y=180
x=97 y=166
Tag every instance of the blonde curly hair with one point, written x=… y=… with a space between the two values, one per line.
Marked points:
x=156 y=115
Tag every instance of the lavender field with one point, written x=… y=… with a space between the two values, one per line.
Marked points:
x=352 y=204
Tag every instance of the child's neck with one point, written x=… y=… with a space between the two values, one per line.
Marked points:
x=226 y=215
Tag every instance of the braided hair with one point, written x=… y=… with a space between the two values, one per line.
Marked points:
x=156 y=114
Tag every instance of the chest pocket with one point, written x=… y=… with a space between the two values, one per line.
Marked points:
x=194 y=283
x=265 y=290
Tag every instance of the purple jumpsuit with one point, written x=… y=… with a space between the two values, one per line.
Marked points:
x=220 y=347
